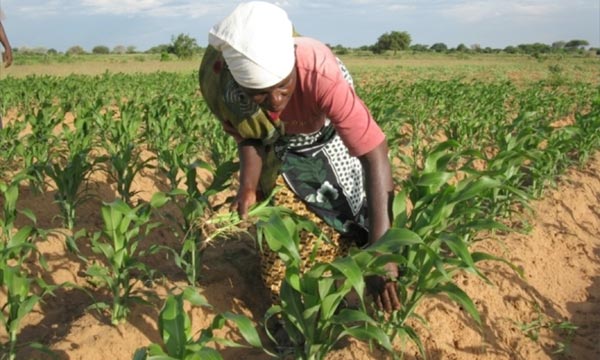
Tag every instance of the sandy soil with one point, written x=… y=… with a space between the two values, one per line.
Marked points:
x=560 y=258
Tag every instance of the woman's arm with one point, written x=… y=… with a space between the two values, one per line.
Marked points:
x=251 y=161
x=380 y=194
x=7 y=56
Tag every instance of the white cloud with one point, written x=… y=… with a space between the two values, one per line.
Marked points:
x=480 y=11
x=151 y=8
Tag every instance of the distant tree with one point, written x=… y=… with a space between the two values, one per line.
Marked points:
x=511 y=50
x=419 y=47
x=100 y=49
x=558 y=45
x=159 y=49
x=462 y=48
x=439 y=47
x=33 y=51
x=183 y=46
x=119 y=49
x=52 y=51
x=535 y=48
x=476 y=47
x=395 y=40
x=75 y=50
x=131 y=49
x=576 y=45
x=339 y=50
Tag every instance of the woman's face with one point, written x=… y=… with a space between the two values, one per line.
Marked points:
x=276 y=97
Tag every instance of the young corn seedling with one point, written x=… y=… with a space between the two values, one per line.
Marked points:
x=194 y=206
x=11 y=146
x=119 y=243
x=69 y=170
x=434 y=238
x=310 y=308
x=178 y=342
x=16 y=246
x=39 y=143
x=122 y=144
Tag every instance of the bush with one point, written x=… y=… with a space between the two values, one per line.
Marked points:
x=100 y=49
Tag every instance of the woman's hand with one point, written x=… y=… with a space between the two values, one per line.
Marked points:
x=380 y=194
x=383 y=289
x=244 y=200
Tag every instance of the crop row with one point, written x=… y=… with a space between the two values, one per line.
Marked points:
x=468 y=157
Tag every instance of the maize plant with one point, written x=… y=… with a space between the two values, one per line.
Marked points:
x=310 y=309
x=178 y=342
x=119 y=244
x=69 y=168
x=121 y=141
x=17 y=246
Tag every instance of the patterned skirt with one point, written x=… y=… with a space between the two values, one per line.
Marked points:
x=321 y=181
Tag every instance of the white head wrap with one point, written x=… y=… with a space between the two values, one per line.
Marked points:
x=257 y=43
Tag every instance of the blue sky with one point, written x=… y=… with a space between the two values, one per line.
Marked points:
x=60 y=24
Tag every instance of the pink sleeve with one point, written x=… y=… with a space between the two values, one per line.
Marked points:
x=350 y=116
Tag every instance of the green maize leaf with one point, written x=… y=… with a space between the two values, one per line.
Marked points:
x=487 y=224
x=159 y=199
x=25 y=308
x=520 y=193
x=394 y=240
x=351 y=271
x=201 y=164
x=29 y=214
x=272 y=311
x=246 y=328
x=457 y=295
x=399 y=210
x=324 y=287
x=479 y=256
x=141 y=354
x=468 y=190
x=431 y=161
x=11 y=194
x=439 y=217
x=434 y=181
x=317 y=271
x=291 y=304
x=177 y=192
x=369 y=332
x=458 y=247
x=274 y=231
x=311 y=319
x=172 y=326
x=407 y=331
x=20 y=238
x=293 y=279
x=192 y=295
x=378 y=262
x=330 y=304
x=348 y=316
x=362 y=258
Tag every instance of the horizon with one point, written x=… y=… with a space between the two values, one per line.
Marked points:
x=143 y=24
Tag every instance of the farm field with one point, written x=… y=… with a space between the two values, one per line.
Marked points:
x=496 y=164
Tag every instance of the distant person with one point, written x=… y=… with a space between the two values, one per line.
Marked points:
x=7 y=54
x=291 y=106
x=7 y=57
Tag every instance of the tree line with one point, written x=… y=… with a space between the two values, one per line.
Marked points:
x=184 y=46
x=401 y=40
